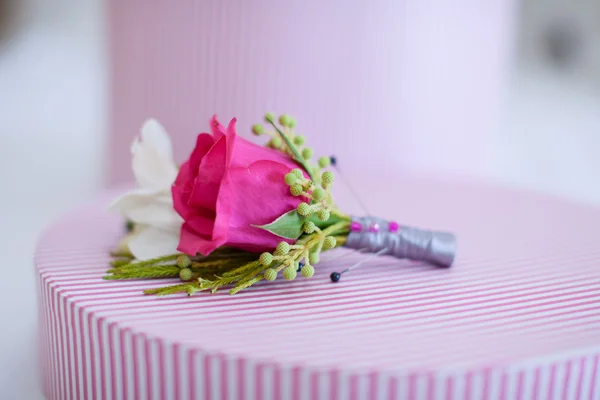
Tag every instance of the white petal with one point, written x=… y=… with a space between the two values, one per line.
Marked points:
x=152 y=157
x=124 y=242
x=153 y=133
x=123 y=199
x=153 y=242
x=154 y=208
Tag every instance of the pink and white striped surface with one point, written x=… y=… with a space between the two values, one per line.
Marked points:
x=517 y=317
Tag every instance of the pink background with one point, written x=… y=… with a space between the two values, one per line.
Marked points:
x=401 y=84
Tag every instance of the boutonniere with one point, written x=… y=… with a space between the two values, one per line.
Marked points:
x=235 y=213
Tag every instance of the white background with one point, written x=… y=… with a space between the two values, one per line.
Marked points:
x=53 y=106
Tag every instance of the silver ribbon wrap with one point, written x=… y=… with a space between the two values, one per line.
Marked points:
x=437 y=248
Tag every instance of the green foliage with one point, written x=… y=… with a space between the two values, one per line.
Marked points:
x=289 y=273
x=184 y=261
x=284 y=120
x=270 y=274
x=288 y=226
x=323 y=215
x=299 y=140
x=324 y=162
x=185 y=274
x=265 y=259
x=309 y=227
x=329 y=243
x=307 y=271
x=327 y=177
x=296 y=190
x=258 y=129
x=307 y=153
x=290 y=179
x=303 y=209
x=282 y=249
x=318 y=194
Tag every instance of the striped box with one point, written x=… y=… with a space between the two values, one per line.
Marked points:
x=516 y=317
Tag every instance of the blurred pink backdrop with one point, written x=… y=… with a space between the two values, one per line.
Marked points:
x=402 y=84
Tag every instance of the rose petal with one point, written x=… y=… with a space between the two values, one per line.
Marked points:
x=231 y=141
x=210 y=173
x=242 y=153
x=204 y=142
x=264 y=197
x=202 y=221
x=192 y=243
x=152 y=242
x=216 y=128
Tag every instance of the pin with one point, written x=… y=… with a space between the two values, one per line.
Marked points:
x=356 y=227
x=335 y=276
x=347 y=183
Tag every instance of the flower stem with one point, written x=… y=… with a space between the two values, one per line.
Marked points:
x=153 y=261
x=294 y=151
x=163 y=291
x=149 y=272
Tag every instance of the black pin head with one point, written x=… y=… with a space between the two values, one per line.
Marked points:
x=335 y=276
x=333 y=160
x=300 y=265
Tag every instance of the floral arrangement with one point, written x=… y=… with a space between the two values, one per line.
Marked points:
x=235 y=213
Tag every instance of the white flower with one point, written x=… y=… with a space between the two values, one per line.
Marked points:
x=150 y=205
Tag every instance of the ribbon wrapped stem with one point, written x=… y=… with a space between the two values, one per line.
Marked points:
x=376 y=234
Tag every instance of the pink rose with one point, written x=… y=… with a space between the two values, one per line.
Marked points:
x=227 y=186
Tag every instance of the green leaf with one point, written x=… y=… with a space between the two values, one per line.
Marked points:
x=288 y=226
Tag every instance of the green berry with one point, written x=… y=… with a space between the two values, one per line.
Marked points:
x=299 y=140
x=185 y=274
x=307 y=271
x=318 y=194
x=265 y=259
x=303 y=209
x=282 y=249
x=258 y=129
x=183 y=261
x=324 y=162
x=275 y=142
x=329 y=243
x=270 y=274
x=296 y=190
x=292 y=122
x=298 y=173
x=327 y=177
x=290 y=178
x=284 y=120
x=269 y=117
x=323 y=215
x=314 y=258
x=289 y=273
x=307 y=153
x=309 y=227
